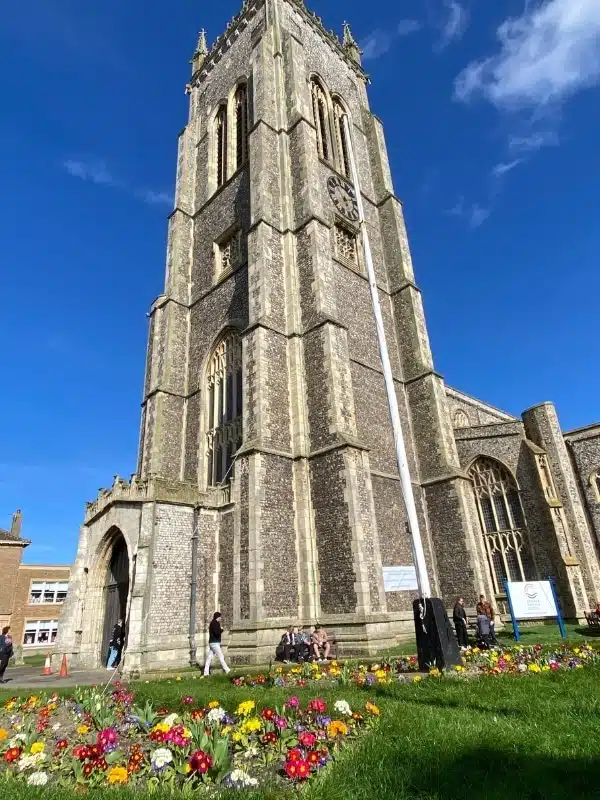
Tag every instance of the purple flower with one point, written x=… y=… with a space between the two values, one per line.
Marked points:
x=323 y=721
x=280 y=722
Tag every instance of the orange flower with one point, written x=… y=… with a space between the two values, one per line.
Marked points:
x=337 y=728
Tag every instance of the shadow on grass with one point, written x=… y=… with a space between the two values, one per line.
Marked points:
x=495 y=773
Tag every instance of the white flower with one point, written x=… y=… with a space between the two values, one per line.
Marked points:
x=343 y=708
x=251 y=752
x=161 y=757
x=242 y=778
x=522 y=668
x=171 y=719
x=56 y=726
x=37 y=779
x=216 y=714
x=25 y=762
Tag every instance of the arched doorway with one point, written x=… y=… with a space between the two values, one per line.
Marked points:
x=116 y=590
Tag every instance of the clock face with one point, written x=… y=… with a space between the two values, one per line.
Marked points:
x=343 y=197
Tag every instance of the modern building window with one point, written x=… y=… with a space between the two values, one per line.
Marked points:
x=221 y=145
x=502 y=522
x=241 y=125
x=345 y=245
x=40 y=632
x=339 y=112
x=224 y=395
x=45 y=592
x=321 y=119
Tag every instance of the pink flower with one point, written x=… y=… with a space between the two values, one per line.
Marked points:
x=188 y=701
x=307 y=739
x=293 y=702
x=317 y=705
x=280 y=722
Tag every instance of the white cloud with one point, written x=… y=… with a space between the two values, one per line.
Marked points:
x=505 y=166
x=532 y=141
x=546 y=55
x=97 y=172
x=454 y=25
x=379 y=41
x=474 y=214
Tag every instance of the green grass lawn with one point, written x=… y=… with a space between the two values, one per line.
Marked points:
x=523 y=738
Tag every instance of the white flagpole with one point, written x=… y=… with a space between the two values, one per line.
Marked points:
x=407 y=490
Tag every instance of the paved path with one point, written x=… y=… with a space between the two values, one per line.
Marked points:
x=32 y=678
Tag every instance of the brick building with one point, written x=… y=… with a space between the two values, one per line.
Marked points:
x=31 y=596
x=266 y=483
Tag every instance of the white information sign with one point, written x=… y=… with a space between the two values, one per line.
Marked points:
x=532 y=600
x=400 y=579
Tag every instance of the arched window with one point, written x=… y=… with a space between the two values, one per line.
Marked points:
x=595 y=484
x=461 y=419
x=221 y=144
x=223 y=409
x=502 y=522
x=339 y=112
x=241 y=125
x=321 y=117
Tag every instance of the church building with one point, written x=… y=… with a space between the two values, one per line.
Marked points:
x=266 y=485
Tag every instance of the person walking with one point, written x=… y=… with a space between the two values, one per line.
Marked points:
x=115 y=646
x=6 y=651
x=485 y=607
x=215 y=631
x=459 y=617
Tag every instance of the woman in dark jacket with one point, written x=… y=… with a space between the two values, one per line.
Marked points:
x=459 y=616
x=6 y=651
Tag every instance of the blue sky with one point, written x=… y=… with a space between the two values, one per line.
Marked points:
x=491 y=114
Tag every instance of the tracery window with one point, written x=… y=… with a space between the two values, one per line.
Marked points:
x=321 y=118
x=228 y=254
x=595 y=484
x=223 y=409
x=502 y=522
x=241 y=125
x=461 y=419
x=345 y=245
x=221 y=145
x=339 y=112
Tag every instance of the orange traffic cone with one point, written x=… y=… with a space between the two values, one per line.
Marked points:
x=47 y=666
x=64 y=669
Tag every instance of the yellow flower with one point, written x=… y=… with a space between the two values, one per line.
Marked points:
x=545 y=668
x=187 y=734
x=534 y=668
x=576 y=650
x=178 y=678
x=188 y=768
x=161 y=727
x=336 y=728
x=380 y=674
x=237 y=736
x=225 y=730
x=82 y=730
x=214 y=704
x=417 y=679
x=372 y=709
x=251 y=725
x=507 y=657
x=3 y=734
x=37 y=747
x=246 y=707
x=434 y=673
x=118 y=775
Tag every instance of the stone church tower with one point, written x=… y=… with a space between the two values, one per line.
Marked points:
x=266 y=484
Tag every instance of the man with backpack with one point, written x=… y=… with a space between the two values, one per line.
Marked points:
x=6 y=651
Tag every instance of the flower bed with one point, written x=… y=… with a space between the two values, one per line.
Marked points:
x=94 y=740
x=515 y=660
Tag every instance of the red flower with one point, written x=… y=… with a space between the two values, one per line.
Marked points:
x=62 y=744
x=270 y=738
x=297 y=770
x=162 y=712
x=294 y=755
x=81 y=752
x=268 y=713
x=318 y=705
x=12 y=754
x=95 y=752
x=313 y=758
x=200 y=762
x=307 y=739
x=101 y=764
x=87 y=770
x=198 y=714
